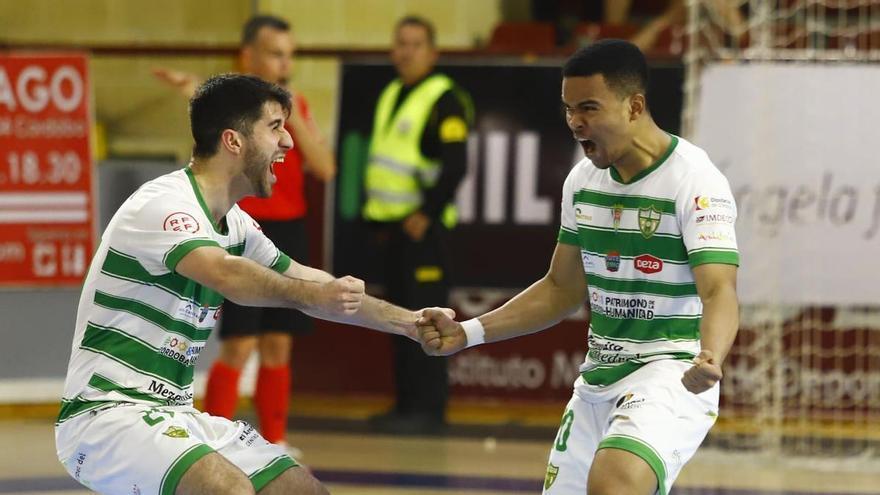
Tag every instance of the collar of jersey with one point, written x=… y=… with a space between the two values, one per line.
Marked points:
x=654 y=166
x=201 y=200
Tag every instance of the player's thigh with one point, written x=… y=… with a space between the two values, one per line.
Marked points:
x=620 y=472
x=294 y=480
x=658 y=420
x=214 y=474
x=572 y=452
x=133 y=449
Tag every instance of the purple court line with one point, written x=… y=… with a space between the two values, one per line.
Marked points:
x=406 y=480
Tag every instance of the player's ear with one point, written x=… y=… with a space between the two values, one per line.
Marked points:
x=637 y=106
x=232 y=141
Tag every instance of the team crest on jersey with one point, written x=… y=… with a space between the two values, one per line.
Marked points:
x=550 y=477
x=181 y=222
x=616 y=215
x=649 y=220
x=176 y=432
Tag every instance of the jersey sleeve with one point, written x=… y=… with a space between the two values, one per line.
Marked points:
x=568 y=231
x=706 y=212
x=260 y=248
x=161 y=231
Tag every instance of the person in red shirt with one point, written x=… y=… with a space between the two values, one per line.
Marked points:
x=267 y=48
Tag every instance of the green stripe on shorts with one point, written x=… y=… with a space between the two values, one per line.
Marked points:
x=261 y=477
x=180 y=466
x=641 y=449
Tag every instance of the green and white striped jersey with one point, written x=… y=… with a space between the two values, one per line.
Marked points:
x=639 y=242
x=140 y=326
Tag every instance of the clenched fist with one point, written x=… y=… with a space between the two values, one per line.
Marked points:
x=704 y=374
x=341 y=296
x=439 y=334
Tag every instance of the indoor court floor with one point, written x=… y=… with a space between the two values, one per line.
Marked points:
x=351 y=461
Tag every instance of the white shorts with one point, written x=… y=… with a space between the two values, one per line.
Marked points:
x=140 y=449
x=648 y=413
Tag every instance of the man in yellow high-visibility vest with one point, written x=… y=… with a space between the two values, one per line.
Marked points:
x=416 y=162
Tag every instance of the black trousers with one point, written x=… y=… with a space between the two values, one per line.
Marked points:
x=415 y=275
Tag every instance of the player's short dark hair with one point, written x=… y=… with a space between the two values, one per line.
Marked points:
x=620 y=62
x=414 y=20
x=229 y=101
x=257 y=22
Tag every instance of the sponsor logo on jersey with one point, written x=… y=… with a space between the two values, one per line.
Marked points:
x=715 y=236
x=711 y=218
x=248 y=434
x=80 y=460
x=580 y=215
x=649 y=220
x=627 y=401
x=616 y=215
x=181 y=222
x=203 y=313
x=588 y=261
x=550 y=477
x=607 y=352
x=187 y=311
x=180 y=350
x=612 y=261
x=648 y=264
x=634 y=308
x=170 y=396
x=706 y=202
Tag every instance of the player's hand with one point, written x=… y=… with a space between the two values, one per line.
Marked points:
x=703 y=375
x=415 y=225
x=439 y=334
x=184 y=82
x=342 y=296
x=420 y=325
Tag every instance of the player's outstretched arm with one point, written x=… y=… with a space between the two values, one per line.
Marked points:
x=246 y=282
x=310 y=290
x=558 y=294
x=716 y=285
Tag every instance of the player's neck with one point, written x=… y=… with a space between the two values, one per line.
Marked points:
x=646 y=147
x=215 y=186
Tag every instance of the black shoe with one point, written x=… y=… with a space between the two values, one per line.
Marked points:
x=396 y=423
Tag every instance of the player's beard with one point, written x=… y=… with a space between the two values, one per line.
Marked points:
x=257 y=167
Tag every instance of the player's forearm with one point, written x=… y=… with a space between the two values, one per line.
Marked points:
x=542 y=305
x=720 y=321
x=248 y=283
x=383 y=316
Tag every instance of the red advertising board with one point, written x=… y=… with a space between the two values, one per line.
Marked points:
x=47 y=220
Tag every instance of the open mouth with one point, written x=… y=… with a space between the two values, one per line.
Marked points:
x=588 y=145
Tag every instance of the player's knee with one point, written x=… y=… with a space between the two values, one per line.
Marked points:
x=235 y=353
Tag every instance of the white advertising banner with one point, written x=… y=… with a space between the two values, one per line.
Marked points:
x=799 y=145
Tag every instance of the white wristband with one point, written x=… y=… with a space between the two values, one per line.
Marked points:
x=474 y=331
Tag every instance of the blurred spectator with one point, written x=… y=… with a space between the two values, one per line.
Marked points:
x=417 y=160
